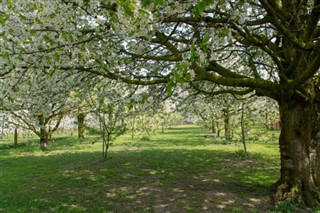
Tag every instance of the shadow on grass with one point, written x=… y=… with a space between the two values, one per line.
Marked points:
x=11 y=146
x=135 y=181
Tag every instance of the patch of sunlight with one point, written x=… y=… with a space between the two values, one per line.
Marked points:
x=177 y=190
x=124 y=189
x=206 y=203
x=76 y=207
x=223 y=205
x=111 y=195
x=142 y=189
x=206 y=180
x=68 y=173
x=253 y=202
x=73 y=207
x=161 y=206
x=131 y=197
x=153 y=172
x=92 y=178
x=127 y=176
x=221 y=194
x=249 y=205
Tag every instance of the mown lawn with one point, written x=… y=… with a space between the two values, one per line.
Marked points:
x=183 y=169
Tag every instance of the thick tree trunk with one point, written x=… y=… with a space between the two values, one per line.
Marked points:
x=43 y=134
x=81 y=126
x=44 y=138
x=300 y=153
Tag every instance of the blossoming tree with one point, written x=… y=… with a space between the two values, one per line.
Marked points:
x=269 y=47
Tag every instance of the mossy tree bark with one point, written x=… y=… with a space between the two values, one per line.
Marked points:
x=300 y=151
x=274 y=53
x=81 y=126
x=44 y=138
x=43 y=133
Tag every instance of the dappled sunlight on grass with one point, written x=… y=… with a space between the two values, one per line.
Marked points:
x=176 y=171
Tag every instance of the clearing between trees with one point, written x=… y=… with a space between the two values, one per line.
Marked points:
x=184 y=169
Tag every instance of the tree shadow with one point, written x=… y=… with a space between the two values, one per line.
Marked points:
x=157 y=180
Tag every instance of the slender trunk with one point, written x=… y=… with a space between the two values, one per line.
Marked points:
x=218 y=129
x=227 y=132
x=299 y=152
x=243 y=136
x=107 y=145
x=266 y=123
x=81 y=126
x=103 y=132
x=15 y=136
x=213 y=127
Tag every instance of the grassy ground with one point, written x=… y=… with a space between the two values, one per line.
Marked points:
x=181 y=170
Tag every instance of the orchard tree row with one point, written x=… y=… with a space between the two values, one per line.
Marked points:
x=264 y=48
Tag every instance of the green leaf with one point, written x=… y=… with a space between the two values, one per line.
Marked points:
x=56 y=56
x=146 y=2
x=3 y=18
x=225 y=32
x=143 y=12
x=159 y=2
x=10 y=5
x=11 y=99
x=131 y=104
x=208 y=2
x=128 y=7
x=201 y=7
x=206 y=38
x=11 y=31
x=193 y=52
x=5 y=55
x=170 y=87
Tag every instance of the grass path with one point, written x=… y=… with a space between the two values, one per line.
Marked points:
x=177 y=171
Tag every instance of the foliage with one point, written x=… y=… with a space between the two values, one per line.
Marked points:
x=110 y=107
x=266 y=48
x=285 y=207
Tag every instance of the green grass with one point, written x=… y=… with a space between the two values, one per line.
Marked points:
x=181 y=170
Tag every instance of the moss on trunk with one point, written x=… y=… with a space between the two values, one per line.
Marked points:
x=300 y=152
x=81 y=125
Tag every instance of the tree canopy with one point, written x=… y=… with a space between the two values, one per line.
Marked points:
x=269 y=47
